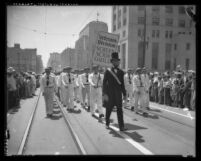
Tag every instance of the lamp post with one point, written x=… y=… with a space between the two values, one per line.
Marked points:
x=144 y=41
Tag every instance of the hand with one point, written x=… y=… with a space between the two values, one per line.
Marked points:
x=43 y=93
x=125 y=98
x=105 y=97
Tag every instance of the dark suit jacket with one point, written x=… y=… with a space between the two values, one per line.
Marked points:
x=112 y=89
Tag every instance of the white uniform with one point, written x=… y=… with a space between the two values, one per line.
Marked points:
x=85 y=88
x=138 y=90
x=146 y=83
x=80 y=89
x=128 y=78
x=68 y=89
x=62 y=88
x=76 y=86
x=48 y=86
x=96 y=81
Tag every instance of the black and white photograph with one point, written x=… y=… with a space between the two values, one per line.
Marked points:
x=100 y=80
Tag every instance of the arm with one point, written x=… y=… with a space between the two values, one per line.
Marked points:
x=62 y=80
x=81 y=81
x=41 y=84
x=90 y=80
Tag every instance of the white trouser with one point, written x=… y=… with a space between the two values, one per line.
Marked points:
x=96 y=99
x=68 y=97
x=76 y=93
x=146 y=99
x=80 y=94
x=139 y=98
x=129 y=90
x=49 y=98
x=62 y=94
x=86 y=92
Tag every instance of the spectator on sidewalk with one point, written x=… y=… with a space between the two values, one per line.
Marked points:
x=187 y=93
x=193 y=91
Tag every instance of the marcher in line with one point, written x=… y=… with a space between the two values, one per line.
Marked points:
x=48 y=86
x=113 y=90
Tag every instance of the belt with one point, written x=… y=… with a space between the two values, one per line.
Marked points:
x=140 y=86
x=49 y=87
x=86 y=84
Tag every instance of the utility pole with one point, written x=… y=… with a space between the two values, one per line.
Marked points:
x=144 y=41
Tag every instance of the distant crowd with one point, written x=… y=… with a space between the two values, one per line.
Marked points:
x=20 y=85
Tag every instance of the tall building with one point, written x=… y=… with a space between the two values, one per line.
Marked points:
x=54 y=61
x=68 y=58
x=39 y=64
x=85 y=45
x=21 y=59
x=159 y=27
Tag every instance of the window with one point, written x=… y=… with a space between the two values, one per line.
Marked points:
x=175 y=46
x=153 y=33
x=155 y=21
x=124 y=55
x=155 y=9
x=181 y=23
x=114 y=8
x=114 y=17
x=119 y=14
x=141 y=8
x=187 y=63
x=141 y=20
x=119 y=24
x=124 y=22
x=124 y=33
x=169 y=22
x=119 y=48
x=175 y=63
x=157 y=33
x=124 y=9
x=168 y=9
x=188 y=46
x=166 y=34
x=114 y=27
x=170 y=34
x=139 y=33
x=182 y=10
x=155 y=47
x=167 y=56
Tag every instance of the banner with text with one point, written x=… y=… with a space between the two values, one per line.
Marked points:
x=106 y=44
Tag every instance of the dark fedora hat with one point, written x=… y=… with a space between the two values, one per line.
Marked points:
x=115 y=56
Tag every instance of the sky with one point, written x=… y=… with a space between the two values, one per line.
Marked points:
x=51 y=28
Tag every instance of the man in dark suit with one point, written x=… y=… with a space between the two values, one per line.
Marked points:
x=113 y=88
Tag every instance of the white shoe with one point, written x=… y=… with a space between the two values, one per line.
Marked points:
x=185 y=109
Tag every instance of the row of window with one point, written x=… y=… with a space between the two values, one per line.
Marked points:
x=156 y=9
x=155 y=22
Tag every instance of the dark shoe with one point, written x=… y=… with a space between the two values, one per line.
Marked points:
x=107 y=127
x=101 y=115
x=145 y=114
x=123 y=129
x=88 y=108
x=132 y=108
x=93 y=115
x=148 y=108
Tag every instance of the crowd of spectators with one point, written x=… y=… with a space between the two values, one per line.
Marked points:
x=176 y=89
x=20 y=85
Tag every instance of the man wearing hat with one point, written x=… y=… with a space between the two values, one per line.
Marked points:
x=128 y=80
x=113 y=90
x=85 y=87
x=48 y=86
x=138 y=90
x=67 y=81
x=95 y=81
x=145 y=79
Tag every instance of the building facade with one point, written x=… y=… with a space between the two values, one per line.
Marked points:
x=21 y=59
x=68 y=58
x=157 y=26
x=85 y=45
x=54 y=61
x=39 y=64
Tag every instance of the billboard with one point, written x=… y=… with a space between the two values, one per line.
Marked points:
x=106 y=44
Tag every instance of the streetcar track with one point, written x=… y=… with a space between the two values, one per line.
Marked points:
x=73 y=133
x=28 y=128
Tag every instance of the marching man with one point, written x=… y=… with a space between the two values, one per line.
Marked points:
x=67 y=81
x=95 y=81
x=48 y=86
x=85 y=88
x=76 y=85
x=128 y=78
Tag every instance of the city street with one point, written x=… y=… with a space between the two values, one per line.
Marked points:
x=167 y=131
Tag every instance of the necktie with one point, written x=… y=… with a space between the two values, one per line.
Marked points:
x=87 y=78
x=47 y=82
x=140 y=80
x=129 y=77
x=69 y=78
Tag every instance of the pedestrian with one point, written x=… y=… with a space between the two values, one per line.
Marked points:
x=167 y=87
x=187 y=93
x=128 y=78
x=96 y=81
x=81 y=71
x=181 y=91
x=161 y=89
x=193 y=91
x=62 y=87
x=48 y=85
x=85 y=88
x=67 y=81
x=113 y=90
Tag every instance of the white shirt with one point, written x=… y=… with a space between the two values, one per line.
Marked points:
x=67 y=79
x=84 y=79
x=95 y=79
x=43 y=82
x=145 y=80
x=76 y=80
x=127 y=81
x=136 y=82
